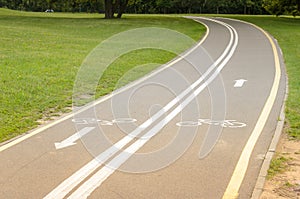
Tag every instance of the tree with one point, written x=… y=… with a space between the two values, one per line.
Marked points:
x=163 y=5
x=116 y=8
x=279 y=7
x=273 y=7
x=292 y=7
x=113 y=6
x=121 y=7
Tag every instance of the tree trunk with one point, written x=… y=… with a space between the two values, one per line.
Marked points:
x=122 y=7
x=109 y=14
x=110 y=8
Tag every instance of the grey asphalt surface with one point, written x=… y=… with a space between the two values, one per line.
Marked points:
x=171 y=167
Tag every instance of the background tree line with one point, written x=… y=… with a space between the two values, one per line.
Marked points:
x=90 y=6
x=197 y=6
x=115 y=8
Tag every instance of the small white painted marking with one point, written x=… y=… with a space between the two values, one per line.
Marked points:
x=70 y=141
x=239 y=83
x=223 y=123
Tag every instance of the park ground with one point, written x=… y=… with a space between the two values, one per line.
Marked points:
x=283 y=179
x=40 y=54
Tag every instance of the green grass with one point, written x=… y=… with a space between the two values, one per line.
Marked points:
x=278 y=165
x=287 y=32
x=127 y=68
x=41 y=53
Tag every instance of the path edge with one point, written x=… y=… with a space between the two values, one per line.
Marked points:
x=261 y=179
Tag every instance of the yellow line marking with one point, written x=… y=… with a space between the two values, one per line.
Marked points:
x=232 y=191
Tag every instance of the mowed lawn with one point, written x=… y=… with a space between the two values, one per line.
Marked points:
x=41 y=53
x=287 y=31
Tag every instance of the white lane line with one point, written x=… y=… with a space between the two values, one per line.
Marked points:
x=232 y=190
x=69 y=184
x=99 y=101
x=97 y=179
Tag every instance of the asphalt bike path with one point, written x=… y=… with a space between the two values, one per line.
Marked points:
x=198 y=127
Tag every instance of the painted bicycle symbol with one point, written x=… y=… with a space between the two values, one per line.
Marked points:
x=222 y=123
x=103 y=122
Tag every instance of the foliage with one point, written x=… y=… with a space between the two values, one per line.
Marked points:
x=110 y=7
x=280 y=7
x=195 y=6
x=56 y=5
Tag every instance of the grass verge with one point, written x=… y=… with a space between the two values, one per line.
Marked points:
x=278 y=165
x=40 y=54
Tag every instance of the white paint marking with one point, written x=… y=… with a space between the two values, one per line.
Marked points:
x=239 y=83
x=72 y=139
x=224 y=123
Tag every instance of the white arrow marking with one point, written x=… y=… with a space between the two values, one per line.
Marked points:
x=72 y=140
x=239 y=83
